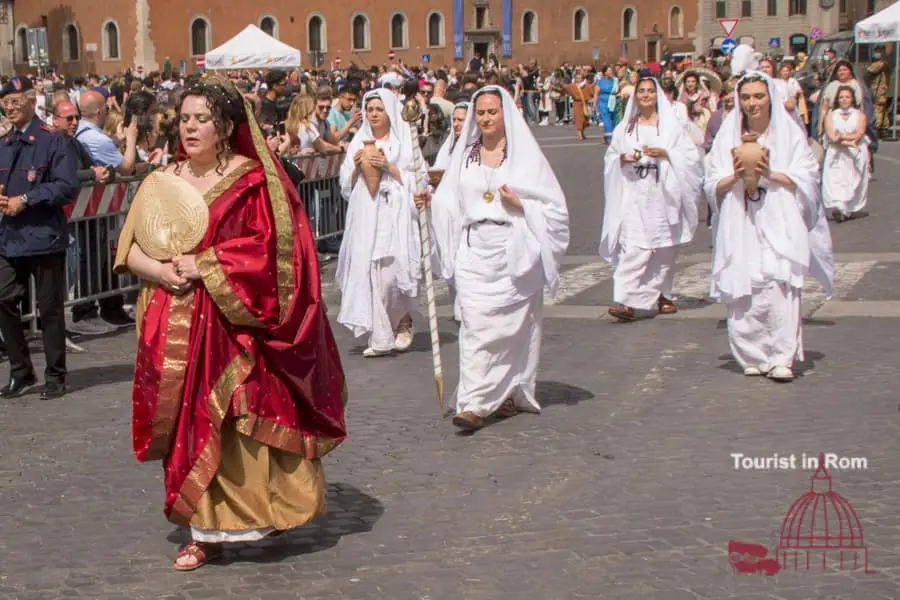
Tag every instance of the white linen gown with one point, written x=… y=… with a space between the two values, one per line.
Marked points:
x=379 y=265
x=645 y=219
x=764 y=249
x=499 y=262
x=845 y=180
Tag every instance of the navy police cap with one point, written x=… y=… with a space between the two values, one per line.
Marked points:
x=16 y=85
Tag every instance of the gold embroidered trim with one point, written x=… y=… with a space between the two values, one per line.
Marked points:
x=213 y=193
x=205 y=468
x=276 y=435
x=171 y=384
x=216 y=283
x=281 y=211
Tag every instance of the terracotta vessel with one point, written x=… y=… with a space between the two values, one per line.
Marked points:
x=749 y=153
x=434 y=176
x=371 y=173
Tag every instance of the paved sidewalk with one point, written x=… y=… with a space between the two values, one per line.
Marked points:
x=624 y=488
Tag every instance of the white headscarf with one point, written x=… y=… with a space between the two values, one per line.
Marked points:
x=442 y=160
x=354 y=260
x=543 y=234
x=401 y=148
x=778 y=216
x=680 y=176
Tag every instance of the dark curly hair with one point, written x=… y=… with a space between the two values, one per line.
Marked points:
x=227 y=107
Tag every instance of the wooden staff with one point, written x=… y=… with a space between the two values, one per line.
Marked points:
x=411 y=114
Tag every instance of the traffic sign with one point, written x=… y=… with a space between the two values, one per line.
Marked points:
x=426 y=58
x=392 y=55
x=728 y=26
x=816 y=33
x=337 y=60
x=200 y=61
x=728 y=45
x=775 y=42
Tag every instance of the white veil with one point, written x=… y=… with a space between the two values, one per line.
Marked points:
x=777 y=216
x=680 y=177
x=543 y=234
x=443 y=156
x=354 y=259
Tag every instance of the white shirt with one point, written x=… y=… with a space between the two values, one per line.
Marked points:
x=308 y=135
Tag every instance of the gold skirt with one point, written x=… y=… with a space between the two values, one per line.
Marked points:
x=257 y=486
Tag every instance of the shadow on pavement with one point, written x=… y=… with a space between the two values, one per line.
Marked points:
x=83 y=379
x=550 y=393
x=350 y=511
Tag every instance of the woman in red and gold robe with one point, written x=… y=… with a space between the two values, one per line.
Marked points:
x=238 y=385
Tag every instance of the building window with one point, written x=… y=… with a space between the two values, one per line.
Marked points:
x=796 y=7
x=360 y=33
x=398 y=31
x=843 y=8
x=435 y=30
x=772 y=8
x=270 y=26
x=746 y=8
x=721 y=11
x=629 y=25
x=529 y=27
x=481 y=17
x=315 y=34
x=200 y=36
x=110 y=39
x=580 y=25
x=21 y=45
x=71 y=43
x=676 y=22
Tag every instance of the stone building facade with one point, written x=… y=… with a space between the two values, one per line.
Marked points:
x=782 y=27
x=109 y=36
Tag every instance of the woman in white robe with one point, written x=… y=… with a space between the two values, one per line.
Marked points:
x=653 y=171
x=766 y=244
x=442 y=160
x=845 y=180
x=501 y=226
x=379 y=265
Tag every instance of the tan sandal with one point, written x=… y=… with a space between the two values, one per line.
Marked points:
x=202 y=552
x=622 y=313
x=507 y=409
x=666 y=306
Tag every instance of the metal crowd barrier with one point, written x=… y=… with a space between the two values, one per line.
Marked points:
x=98 y=213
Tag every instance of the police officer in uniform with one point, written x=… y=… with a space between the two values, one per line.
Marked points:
x=37 y=178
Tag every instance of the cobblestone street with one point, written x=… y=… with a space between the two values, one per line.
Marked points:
x=624 y=488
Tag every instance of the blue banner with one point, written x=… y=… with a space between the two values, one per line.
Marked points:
x=458 y=30
x=506 y=31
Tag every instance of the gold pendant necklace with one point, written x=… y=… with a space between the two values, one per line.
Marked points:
x=488 y=195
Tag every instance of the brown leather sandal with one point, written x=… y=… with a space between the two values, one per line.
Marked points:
x=202 y=552
x=468 y=421
x=622 y=313
x=666 y=306
x=507 y=409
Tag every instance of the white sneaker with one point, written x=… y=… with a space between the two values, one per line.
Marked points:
x=752 y=372
x=372 y=353
x=781 y=374
x=404 y=337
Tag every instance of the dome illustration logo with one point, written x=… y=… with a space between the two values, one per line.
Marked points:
x=820 y=530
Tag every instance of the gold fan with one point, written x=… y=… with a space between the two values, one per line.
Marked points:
x=171 y=216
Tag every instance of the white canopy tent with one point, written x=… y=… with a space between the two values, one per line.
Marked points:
x=253 y=48
x=882 y=28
